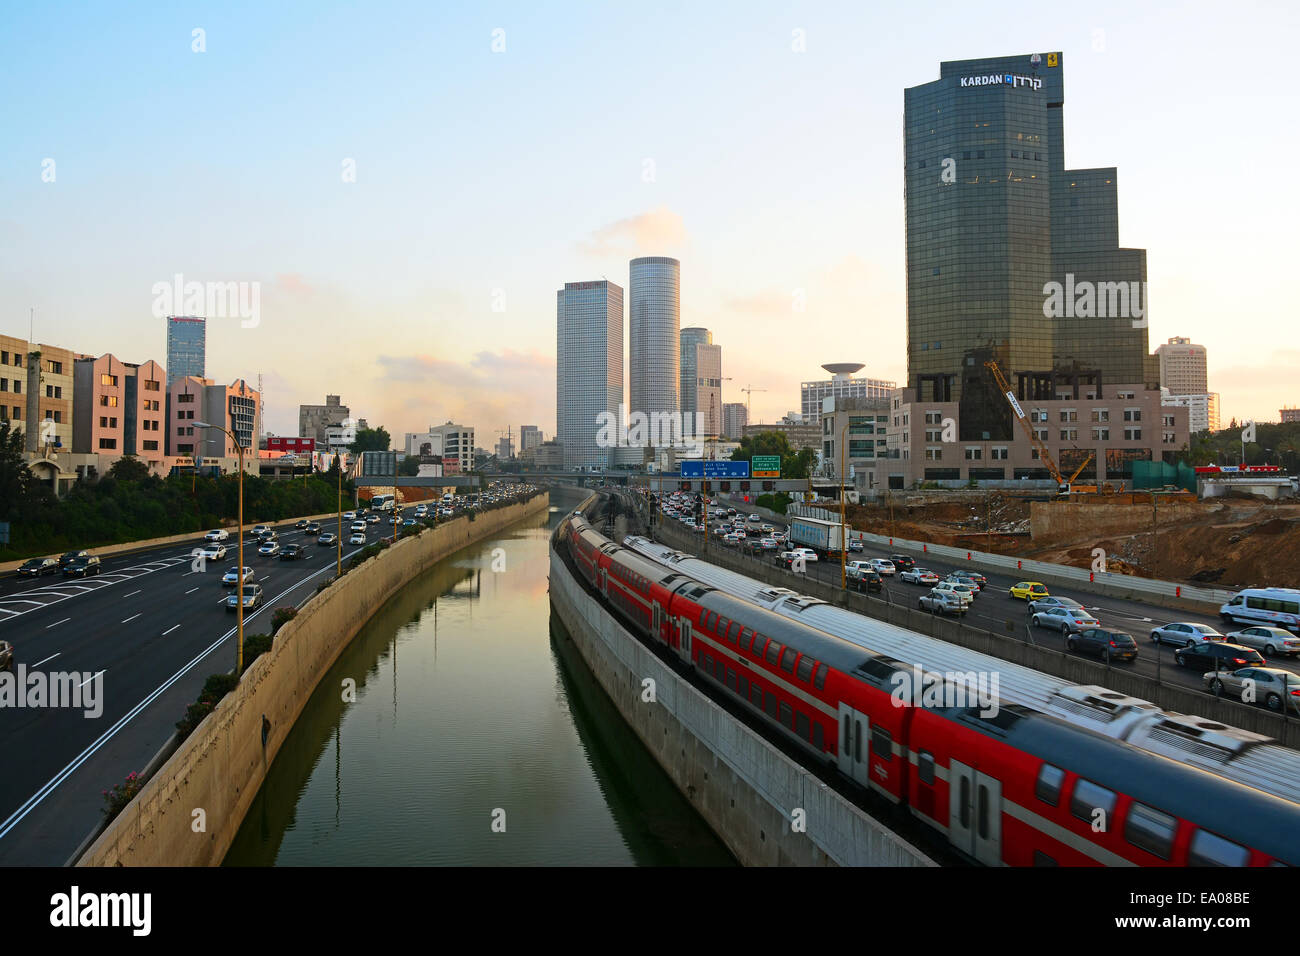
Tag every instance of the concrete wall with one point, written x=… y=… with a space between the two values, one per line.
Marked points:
x=1066 y=520
x=745 y=788
x=220 y=767
x=1011 y=647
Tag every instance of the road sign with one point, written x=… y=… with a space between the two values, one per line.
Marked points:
x=715 y=469
x=766 y=466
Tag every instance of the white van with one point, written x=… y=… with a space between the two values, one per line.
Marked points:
x=1279 y=607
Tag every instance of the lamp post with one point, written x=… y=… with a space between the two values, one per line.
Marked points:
x=844 y=543
x=239 y=572
x=338 y=539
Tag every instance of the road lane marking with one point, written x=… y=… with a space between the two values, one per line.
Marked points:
x=131 y=618
x=170 y=629
x=57 y=623
x=89 y=679
x=47 y=660
x=132 y=594
x=191 y=590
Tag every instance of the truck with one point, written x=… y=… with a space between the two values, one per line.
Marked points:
x=824 y=537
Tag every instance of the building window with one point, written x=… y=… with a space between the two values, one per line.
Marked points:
x=1101 y=434
x=974 y=454
x=1132 y=414
x=107 y=444
x=999 y=453
x=1169 y=438
x=1069 y=415
x=1132 y=434
x=1069 y=434
x=1101 y=414
x=151 y=446
x=1041 y=433
x=108 y=401
x=934 y=454
x=106 y=379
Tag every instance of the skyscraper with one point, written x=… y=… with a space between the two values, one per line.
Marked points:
x=735 y=416
x=701 y=380
x=186 y=346
x=588 y=368
x=1183 y=367
x=654 y=343
x=689 y=339
x=994 y=219
x=841 y=384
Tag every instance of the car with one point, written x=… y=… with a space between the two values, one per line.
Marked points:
x=1217 y=655
x=252 y=597
x=262 y=529
x=961 y=577
x=1067 y=620
x=1263 y=685
x=1028 y=590
x=767 y=528
x=1042 y=603
x=292 y=552
x=327 y=538
x=231 y=577
x=217 y=534
x=919 y=576
x=36 y=567
x=358 y=527
x=937 y=601
x=69 y=556
x=302 y=525
x=421 y=511
x=883 y=566
x=963 y=593
x=357 y=538
x=808 y=554
x=869 y=580
x=1185 y=634
x=787 y=559
x=374 y=518
x=213 y=552
x=6 y=656
x=1273 y=641
x=901 y=562
x=268 y=548
x=975 y=576
x=312 y=528
x=1104 y=643
x=349 y=515
x=83 y=567
x=265 y=536
x=855 y=544
x=755 y=519
x=409 y=522
x=768 y=544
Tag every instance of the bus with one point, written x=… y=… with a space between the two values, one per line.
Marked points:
x=382 y=503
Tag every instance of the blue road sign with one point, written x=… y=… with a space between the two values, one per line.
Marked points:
x=713 y=470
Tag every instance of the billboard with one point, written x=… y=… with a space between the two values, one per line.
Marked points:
x=766 y=466
x=715 y=469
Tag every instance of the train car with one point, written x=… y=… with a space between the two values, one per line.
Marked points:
x=1240 y=755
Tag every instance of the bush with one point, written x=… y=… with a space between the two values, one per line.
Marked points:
x=255 y=645
x=281 y=616
x=116 y=799
x=215 y=687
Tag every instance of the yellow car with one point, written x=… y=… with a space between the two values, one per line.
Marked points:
x=1029 y=590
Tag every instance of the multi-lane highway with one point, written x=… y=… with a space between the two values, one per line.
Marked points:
x=995 y=611
x=152 y=627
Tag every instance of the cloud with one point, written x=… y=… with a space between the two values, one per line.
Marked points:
x=647 y=234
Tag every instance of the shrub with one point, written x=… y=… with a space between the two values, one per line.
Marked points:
x=116 y=799
x=281 y=616
x=255 y=645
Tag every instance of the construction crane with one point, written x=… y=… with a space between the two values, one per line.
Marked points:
x=1063 y=484
x=747 y=390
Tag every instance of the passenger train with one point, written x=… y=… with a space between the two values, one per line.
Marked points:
x=1017 y=787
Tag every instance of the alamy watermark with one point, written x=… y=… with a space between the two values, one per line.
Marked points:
x=21 y=688
x=213 y=300
x=681 y=430
x=950 y=689
x=1096 y=300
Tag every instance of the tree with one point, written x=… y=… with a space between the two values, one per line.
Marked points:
x=372 y=439
x=129 y=468
x=409 y=466
x=794 y=464
x=16 y=478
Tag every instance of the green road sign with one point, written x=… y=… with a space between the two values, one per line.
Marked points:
x=765 y=466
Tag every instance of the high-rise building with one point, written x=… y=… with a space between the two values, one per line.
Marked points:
x=689 y=339
x=588 y=367
x=186 y=346
x=1183 y=367
x=457 y=447
x=841 y=384
x=654 y=336
x=118 y=408
x=735 y=416
x=1203 y=408
x=1010 y=255
x=708 y=390
x=505 y=449
x=530 y=436
x=313 y=420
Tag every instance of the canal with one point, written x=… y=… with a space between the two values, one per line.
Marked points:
x=475 y=736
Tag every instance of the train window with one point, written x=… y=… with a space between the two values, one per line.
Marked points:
x=735 y=631
x=708 y=665
x=806 y=665
x=703 y=614
x=722 y=627
x=801 y=724
x=759 y=642
x=965 y=803
x=983 y=806
x=787 y=715
x=1088 y=798
x=719 y=670
x=882 y=743
x=746 y=638
x=846 y=736
x=1210 y=850
x=857 y=741
x=713 y=621
x=771 y=702
x=773 y=652
x=819 y=738
x=925 y=766
x=1150 y=830
x=819 y=679
x=1042 y=859
x=743 y=686
x=787 y=660
x=1048 y=787
x=731 y=678
x=756 y=696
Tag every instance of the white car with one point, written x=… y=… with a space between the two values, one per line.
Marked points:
x=731 y=540
x=808 y=554
x=261 y=529
x=882 y=566
x=269 y=548
x=755 y=519
x=214 y=552
x=963 y=593
x=919 y=576
x=358 y=527
x=217 y=534
x=349 y=515
x=232 y=576
x=357 y=538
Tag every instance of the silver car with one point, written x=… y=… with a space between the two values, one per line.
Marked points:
x=231 y=577
x=252 y=598
x=1260 y=685
x=1185 y=634
x=1043 y=603
x=1273 y=641
x=941 y=602
x=1067 y=620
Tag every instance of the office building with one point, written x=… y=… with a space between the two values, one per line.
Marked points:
x=841 y=384
x=856 y=427
x=423 y=444
x=654 y=336
x=701 y=380
x=589 y=369
x=314 y=420
x=799 y=433
x=1203 y=409
x=505 y=449
x=36 y=384
x=457 y=443
x=735 y=416
x=530 y=436
x=1289 y=415
x=235 y=407
x=186 y=347
x=1182 y=367
x=118 y=408
x=1011 y=256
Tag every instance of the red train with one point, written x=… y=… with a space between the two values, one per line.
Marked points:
x=1004 y=785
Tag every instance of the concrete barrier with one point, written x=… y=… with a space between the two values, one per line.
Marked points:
x=745 y=788
x=220 y=766
x=1069 y=667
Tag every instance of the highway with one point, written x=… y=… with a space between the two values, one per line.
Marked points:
x=154 y=626
x=995 y=611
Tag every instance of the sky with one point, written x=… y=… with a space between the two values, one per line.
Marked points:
x=407 y=185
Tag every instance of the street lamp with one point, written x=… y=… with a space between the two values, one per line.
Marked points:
x=844 y=544
x=239 y=573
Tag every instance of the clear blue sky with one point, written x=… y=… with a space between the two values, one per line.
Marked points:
x=487 y=177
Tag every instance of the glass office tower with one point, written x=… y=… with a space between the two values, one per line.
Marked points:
x=993 y=217
x=654 y=330
x=589 y=368
x=186 y=339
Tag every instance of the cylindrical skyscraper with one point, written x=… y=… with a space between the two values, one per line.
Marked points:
x=654 y=346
